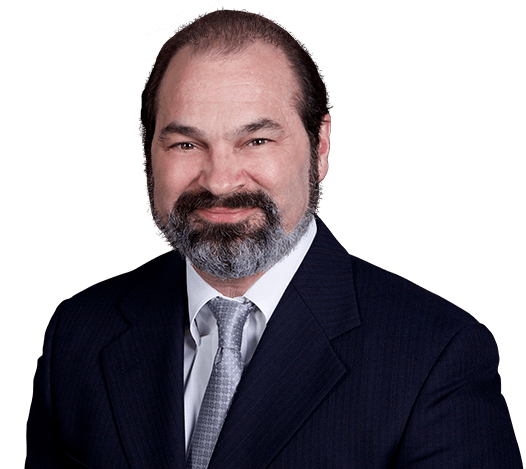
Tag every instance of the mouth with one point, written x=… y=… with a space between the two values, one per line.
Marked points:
x=224 y=214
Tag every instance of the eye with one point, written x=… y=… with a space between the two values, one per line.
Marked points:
x=183 y=145
x=257 y=142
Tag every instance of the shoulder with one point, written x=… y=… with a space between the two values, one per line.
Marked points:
x=391 y=308
x=408 y=341
x=99 y=307
x=113 y=290
x=396 y=298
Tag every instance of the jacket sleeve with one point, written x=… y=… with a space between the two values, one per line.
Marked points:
x=42 y=434
x=460 y=418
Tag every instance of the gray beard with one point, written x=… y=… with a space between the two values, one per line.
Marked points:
x=233 y=250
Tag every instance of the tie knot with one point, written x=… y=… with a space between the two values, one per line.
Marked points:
x=231 y=317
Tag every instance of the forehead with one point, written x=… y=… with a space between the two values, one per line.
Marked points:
x=259 y=75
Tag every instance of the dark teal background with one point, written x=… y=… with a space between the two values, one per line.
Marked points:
x=426 y=179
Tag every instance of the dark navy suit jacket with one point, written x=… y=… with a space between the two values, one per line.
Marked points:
x=358 y=368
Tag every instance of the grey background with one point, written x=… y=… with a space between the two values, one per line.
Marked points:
x=426 y=171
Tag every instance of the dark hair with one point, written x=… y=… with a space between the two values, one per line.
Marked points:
x=227 y=32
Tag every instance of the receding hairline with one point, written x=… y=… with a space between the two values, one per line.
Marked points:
x=226 y=29
x=215 y=52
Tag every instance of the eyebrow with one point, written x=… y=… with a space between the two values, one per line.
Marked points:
x=194 y=132
x=261 y=124
x=186 y=130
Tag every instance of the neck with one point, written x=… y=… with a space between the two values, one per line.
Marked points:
x=232 y=287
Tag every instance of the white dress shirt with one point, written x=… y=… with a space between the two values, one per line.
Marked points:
x=201 y=338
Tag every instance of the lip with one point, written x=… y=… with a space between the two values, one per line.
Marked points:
x=225 y=215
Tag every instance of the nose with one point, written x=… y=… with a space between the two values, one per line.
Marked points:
x=223 y=173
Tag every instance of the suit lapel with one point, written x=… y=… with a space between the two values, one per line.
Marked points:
x=293 y=370
x=144 y=370
x=294 y=367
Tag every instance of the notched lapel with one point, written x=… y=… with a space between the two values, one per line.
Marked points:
x=295 y=367
x=144 y=374
x=292 y=371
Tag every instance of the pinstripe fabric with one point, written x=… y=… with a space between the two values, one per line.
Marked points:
x=358 y=368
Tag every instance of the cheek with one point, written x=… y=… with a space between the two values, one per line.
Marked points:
x=161 y=181
x=286 y=179
x=297 y=192
x=170 y=180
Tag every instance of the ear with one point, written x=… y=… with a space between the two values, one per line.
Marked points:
x=324 y=146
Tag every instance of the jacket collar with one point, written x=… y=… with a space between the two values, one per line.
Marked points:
x=293 y=370
x=144 y=367
x=325 y=282
x=294 y=367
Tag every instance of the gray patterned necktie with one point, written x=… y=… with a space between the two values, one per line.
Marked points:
x=226 y=373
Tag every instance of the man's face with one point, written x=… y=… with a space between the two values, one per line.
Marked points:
x=228 y=126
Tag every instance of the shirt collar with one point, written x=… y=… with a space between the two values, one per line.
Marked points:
x=265 y=293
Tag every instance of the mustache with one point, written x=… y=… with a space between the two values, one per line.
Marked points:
x=188 y=202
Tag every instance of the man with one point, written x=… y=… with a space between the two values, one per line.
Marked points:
x=342 y=364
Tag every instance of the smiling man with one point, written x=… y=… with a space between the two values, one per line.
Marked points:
x=258 y=342
x=231 y=163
